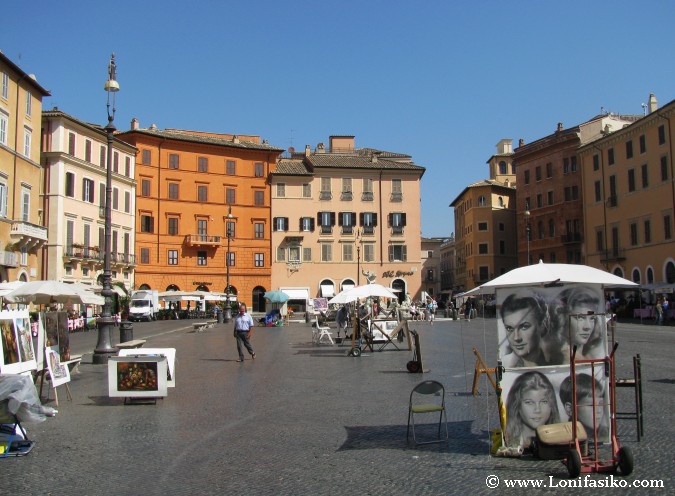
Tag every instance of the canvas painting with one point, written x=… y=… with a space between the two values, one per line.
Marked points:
x=169 y=353
x=59 y=372
x=16 y=343
x=534 y=397
x=137 y=376
x=539 y=327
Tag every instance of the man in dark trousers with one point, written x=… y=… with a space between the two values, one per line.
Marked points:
x=243 y=327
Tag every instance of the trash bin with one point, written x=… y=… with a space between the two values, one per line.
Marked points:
x=220 y=317
x=126 y=331
x=307 y=319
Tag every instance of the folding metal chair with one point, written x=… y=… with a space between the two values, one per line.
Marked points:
x=428 y=389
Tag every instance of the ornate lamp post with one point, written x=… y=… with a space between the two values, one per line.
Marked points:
x=227 y=316
x=106 y=321
x=527 y=233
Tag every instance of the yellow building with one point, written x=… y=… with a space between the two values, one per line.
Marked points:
x=342 y=214
x=21 y=179
x=193 y=188
x=485 y=221
x=629 y=198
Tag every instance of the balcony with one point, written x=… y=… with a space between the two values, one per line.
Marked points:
x=27 y=235
x=397 y=230
x=203 y=240
x=368 y=230
x=571 y=238
x=325 y=195
x=613 y=255
x=396 y=197
x=326 y=229
x=346 y=196
x=123 y=259
x=8 y=259
x=347 y=229
x=367 y=196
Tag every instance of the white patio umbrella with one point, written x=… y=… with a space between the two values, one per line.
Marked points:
x=365 y=291
x=8 y=287
x=47 y=292
x=553 y=273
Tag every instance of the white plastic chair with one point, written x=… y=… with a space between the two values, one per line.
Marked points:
x=321 y=332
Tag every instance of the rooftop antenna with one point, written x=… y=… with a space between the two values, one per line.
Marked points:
x=644 y=109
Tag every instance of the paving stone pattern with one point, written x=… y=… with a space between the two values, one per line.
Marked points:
x=307 y=419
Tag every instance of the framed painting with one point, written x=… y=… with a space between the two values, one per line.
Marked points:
x=59 y=372
x=137 y=376
x=169 y=353
x=16 y=343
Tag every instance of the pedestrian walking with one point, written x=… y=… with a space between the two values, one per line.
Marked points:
x=243 y=327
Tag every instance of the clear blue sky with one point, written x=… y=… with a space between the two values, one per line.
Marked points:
x=443 y=81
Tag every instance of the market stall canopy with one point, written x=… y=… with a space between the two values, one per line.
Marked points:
x=276 y=296
x=179 y=296
x=48 y=292
x=8 y=287
x=555 y=274
x=365 y=291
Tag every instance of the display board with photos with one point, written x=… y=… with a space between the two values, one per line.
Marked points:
x=537 y=327
x=16 y=343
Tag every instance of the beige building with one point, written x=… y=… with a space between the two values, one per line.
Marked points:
x=342 y=214
x=629 y=198
x=74 y=155
x=485 y=220
x=448 y=257
x=21 y=178
x=431 y=266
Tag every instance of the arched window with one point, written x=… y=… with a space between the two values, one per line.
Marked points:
x=618 y=272
x=501 y=201
x=670 y=272
x=650 y=275
x=144 y=287
x=170 y=287
x=502 y=167
x=636 y=276
x=258 y=299
x=399 y=284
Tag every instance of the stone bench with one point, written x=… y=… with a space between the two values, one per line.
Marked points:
x=199 y=326
x=73 y=364
x=126 y=345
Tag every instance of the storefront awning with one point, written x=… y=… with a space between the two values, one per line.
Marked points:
x=345 y=287
x=327 y=290
x=296 y=293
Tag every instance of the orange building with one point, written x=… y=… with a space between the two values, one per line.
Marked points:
x=193 y=188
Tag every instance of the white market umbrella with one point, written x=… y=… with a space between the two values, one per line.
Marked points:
x=8 y=287
x=552 y=274
x=48 y=292
x=365 y=291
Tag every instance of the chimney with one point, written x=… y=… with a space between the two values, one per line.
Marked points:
x=307 y=150
x=235 y=139
x=320 y=148
x=521 y=142
x=134 y=124
x=653 y=104
x=291 y=150
x=560 y=128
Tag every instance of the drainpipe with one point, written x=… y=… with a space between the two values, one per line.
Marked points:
x=159 y=190
x=604 y=208
x=381 y=222
x=16 y=142
x=670 y=153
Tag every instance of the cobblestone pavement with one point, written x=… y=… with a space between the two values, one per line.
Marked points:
x=307 y=419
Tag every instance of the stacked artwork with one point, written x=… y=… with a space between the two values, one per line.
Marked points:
x=537 y=330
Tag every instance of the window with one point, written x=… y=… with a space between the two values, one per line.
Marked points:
x=482 y=248
x=599 y=241
x=116 y=162
x=368 y=222
x=610 y=156
x=145 y=255
x=326 y=252
x=145 y=187
x=502 y=227
x=549 y=170
x=259 y=198
x=173 y=191
x=306 y=254
x=540 y=200
x=306 y=190
x=325 y=192
x=482 y=201
x=172 y=257
x=306 y=224
x=71 y=144
x=87 y=150
x=397 y=253
x=230 y=168
x=280 y=224
x=667 y=226
x=70 y=184
x=643 y=143
x=631 y=180
x=281 y=190
x=230 y=196
x=102 y=156
x=202 y=164
x=294 y=253
x=5 y=86
x=551 y=228
x=230 y=259
x=483 y=272
x=573 y=163
x=397 y=222
x=367 y=194
x=172 y=226
x=3 y=128
x=368 y=252
x=598 y=191
x=29 y=103
x=101 y=195
x=648 y=231
x=146 y=157
x=537 y=173
x=259 y=230
x=346 y=193
x=502 y=247
x=127 y=166
x=28 y=137
x=633 y=234
x=3 y=199
x=664 y=169
x=326 y=220
x=596 y=162
x=662 y=134
x=527 y=177
x=281 y=254
x=201 y=258
x=127 y=202
x=259 y=169
x=549 y=198
x=202 y=193
x=88 y=190
x=347 y=252
x=147 y=223
x=259 y=259
x=482 y=226
x=202 y=227
x=629 y=149
x=396 y=190
x=173 y=161
x=347 y=220
x=25 y=205
x=230 y=229
x=500 y=201
x=645 y=176
x=502 y=167
x=566 y=165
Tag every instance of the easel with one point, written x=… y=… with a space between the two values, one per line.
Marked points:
x=42 y=374
x=482 y=368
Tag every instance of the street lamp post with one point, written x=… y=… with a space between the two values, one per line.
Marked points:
x=227 y=316
x=106 y=321
x=527 y=232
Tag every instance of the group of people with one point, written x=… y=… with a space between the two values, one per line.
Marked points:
x=532 y=402
x=662 y=306
x=423 y=310
x=540 y=332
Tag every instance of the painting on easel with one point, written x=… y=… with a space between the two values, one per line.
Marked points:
x=57 y=371
x=16 y=344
